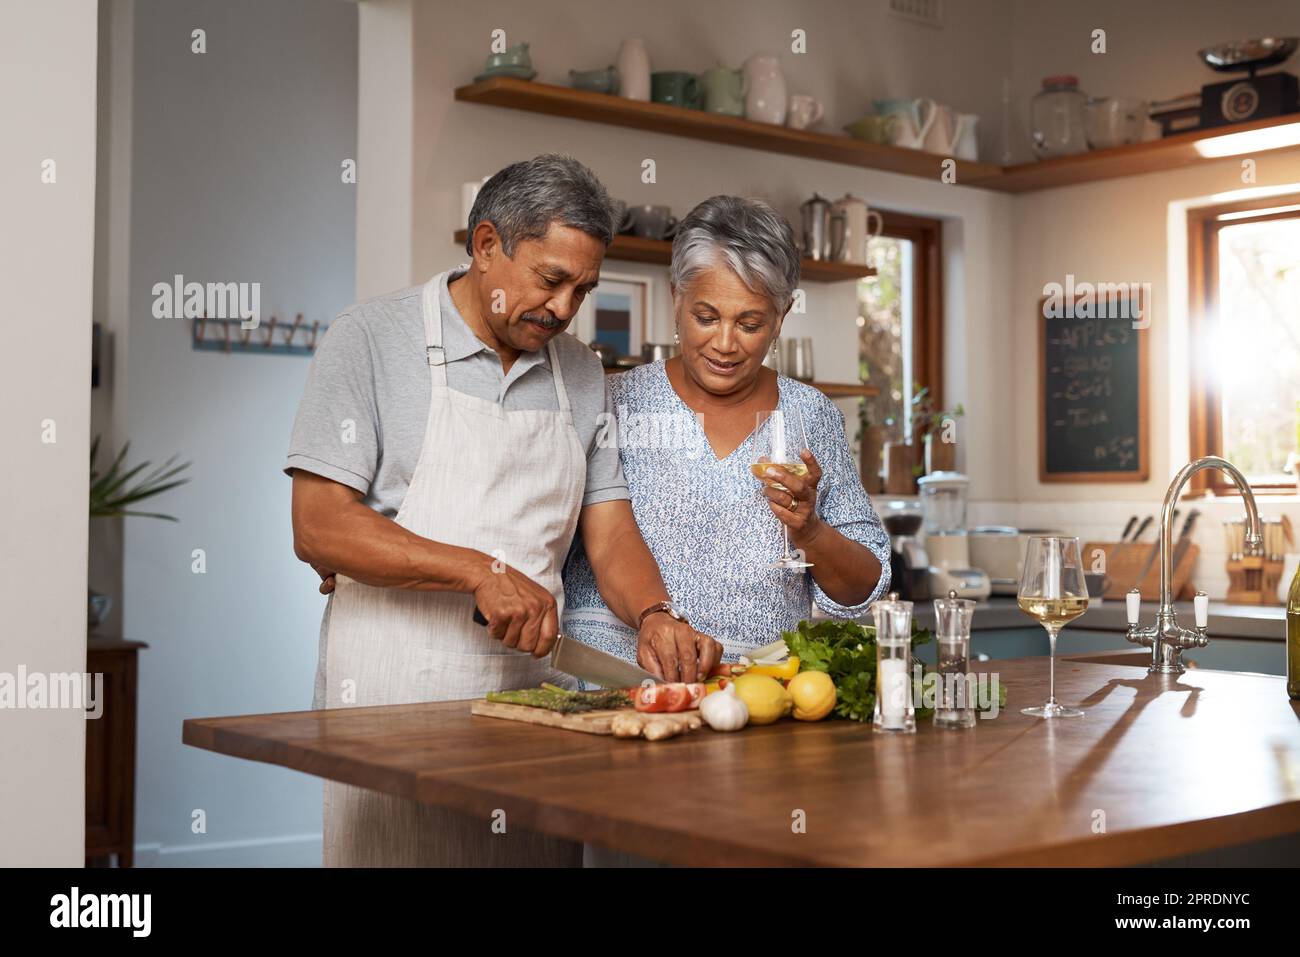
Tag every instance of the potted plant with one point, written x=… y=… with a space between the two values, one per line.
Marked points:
x=114 y=493
x=937 y=429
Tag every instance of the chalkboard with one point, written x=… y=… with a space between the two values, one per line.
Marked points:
x=1092 y=392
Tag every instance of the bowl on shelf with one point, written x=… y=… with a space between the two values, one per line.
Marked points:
x=872 y=128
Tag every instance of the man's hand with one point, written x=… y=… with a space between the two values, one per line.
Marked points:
x=674 y=650
x=521 y=613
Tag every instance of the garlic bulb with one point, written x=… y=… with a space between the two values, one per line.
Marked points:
x=724 y=710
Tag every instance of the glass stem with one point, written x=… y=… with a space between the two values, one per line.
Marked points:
x=785 y=534
x=1051 y=680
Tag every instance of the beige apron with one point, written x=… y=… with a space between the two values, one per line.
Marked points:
x=509 y=484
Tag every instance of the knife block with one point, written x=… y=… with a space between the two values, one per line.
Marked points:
x=1123 y=563
x=1252 y=580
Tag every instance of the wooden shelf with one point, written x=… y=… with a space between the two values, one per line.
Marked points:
x=660 y=252
x=833 y=390
x=1151 y=156
x=697 y=124
x=846 y=390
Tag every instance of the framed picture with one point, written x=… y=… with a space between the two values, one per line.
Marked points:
x=617 y=313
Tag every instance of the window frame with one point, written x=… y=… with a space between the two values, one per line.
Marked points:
x=926 y=235
x=1204 y=399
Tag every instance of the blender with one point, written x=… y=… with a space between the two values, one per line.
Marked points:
x=943 y=510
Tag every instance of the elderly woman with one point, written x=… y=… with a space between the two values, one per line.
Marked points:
x=689 y=430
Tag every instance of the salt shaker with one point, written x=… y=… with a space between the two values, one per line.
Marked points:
x=894 y=711
x=954 y=705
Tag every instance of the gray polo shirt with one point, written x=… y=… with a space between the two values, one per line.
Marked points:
x=362 y=417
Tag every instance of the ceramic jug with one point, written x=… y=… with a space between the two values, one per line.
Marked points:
x=765 y=100
x=967 y=147
x=941 y=131
x=634 y=70
x=851 y=229
x=912 y=120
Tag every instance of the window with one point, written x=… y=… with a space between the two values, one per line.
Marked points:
x=900 y=322
x=1245 y=333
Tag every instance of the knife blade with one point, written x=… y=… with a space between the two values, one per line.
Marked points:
x=1132 y=520
x=1155 y=550
x=581 y=660
x=1184 y=540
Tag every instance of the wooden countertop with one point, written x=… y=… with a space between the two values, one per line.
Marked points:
x=1177 y=765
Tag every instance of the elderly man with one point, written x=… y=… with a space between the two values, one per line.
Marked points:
x=443 y=456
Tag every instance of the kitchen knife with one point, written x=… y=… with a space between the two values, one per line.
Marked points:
x=1132 y=520
x=1155 y=550
x=573 y=657
x=1184 y=541
x=590 y=664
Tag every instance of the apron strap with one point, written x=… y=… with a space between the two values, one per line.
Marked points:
x=430 y=299
x=561 y=394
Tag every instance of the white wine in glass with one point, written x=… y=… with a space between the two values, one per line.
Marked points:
x=778 y=441
x=1052 y=590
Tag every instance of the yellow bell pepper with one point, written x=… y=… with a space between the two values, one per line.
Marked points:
x=782 y=672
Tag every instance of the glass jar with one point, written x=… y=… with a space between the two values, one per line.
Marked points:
x=1057 y=118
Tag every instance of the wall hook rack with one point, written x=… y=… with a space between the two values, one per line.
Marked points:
x=268 y=338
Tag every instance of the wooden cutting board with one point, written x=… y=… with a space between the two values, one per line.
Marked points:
x=589 y=722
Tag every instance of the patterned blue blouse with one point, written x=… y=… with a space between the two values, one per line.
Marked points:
x=708 y=526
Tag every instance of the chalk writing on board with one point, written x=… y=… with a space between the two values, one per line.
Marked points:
x=1092 y=394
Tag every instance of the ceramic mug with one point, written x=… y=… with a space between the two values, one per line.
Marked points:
x=803 y=111
x=724 y=91
x=651 y=222
x=676 y=89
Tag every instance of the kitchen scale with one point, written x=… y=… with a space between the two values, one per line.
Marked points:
x=943 y=507
x=1257 y=96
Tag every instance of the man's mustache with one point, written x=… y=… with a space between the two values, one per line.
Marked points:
x=544 y=316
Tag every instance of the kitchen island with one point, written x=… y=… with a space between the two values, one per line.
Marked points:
x=1160 y=766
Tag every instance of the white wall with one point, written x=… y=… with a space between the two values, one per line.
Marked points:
x=235 y=176
x=47 y=70
x=856 y=53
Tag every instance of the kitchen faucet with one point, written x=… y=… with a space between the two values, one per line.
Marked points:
x=1166 y=639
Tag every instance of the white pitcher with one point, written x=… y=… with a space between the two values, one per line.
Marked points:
x=766 y=99
x=912 y=120
x=850 y=229
x=941 y=131
x=967 y=147
x=634 y=69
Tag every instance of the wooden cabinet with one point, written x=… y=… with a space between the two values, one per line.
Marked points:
x=110 y=752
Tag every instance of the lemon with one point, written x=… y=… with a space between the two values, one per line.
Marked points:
x=813 y=693
x=765 y=697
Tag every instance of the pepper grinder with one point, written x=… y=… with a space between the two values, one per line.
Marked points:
x=955 y=707
x=894 y=711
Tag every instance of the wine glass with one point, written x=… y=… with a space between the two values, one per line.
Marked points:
x=778 y=440
x=1053 y=591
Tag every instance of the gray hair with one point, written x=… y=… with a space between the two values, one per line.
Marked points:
x=746 y=234
x=525 y=199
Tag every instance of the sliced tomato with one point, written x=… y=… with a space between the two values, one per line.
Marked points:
x=678 y=695
x=697 y=693
x=651 y=698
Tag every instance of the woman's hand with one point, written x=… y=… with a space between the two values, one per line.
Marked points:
x=674 y=651
x=793 y=499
